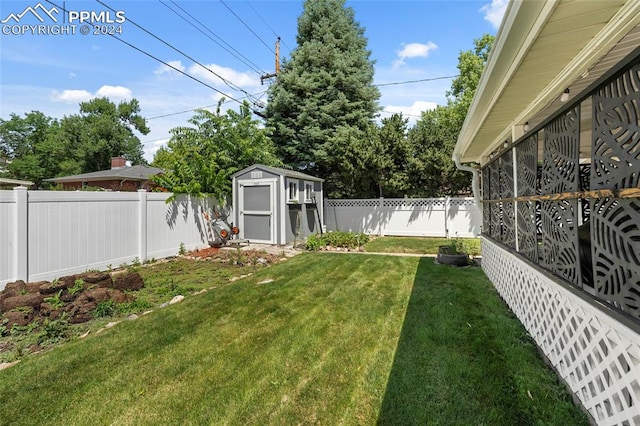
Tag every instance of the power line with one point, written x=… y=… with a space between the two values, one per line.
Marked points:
x=237 y=54
x=266 y=23
x=174 y=68
x=248 y=27
x=202 y=107
x=416 y=81
x=227 y=82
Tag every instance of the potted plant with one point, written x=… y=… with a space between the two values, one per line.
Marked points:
x=454 y=253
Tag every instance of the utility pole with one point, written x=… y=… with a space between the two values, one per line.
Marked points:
x=273 y=74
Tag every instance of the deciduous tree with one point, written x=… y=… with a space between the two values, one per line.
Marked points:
x=200 y=159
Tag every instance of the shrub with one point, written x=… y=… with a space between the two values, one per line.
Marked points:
x=78 y=286
x=337 y=239
x=56 y=330
x=55 y=301
x=105 y=308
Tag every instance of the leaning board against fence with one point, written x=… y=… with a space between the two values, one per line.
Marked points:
x=428 y=217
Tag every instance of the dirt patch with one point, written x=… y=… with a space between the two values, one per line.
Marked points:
x=76 y=295
x=204 y=253
x=235 y=257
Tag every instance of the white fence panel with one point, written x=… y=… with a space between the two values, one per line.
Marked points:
x=48 y=234
x=179 y=222
x=7 y=235
x=72 y=232
x=427 y=217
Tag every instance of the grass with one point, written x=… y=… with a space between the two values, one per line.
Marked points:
x=163 y=281
x=333 y=339
x=418 y=245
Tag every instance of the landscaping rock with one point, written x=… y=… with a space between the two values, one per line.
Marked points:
x=32 y=300
x=132 y=317
x=80 y=311
x=176 y=299
x=4 y=365
x=96 y=295
x=15 y=287
x=48 y=310
x=101 y=279
x=34 y=349
x=119 y=296
x=19 y=318
x=33 y=288
x=57 y=285
x=132 y=281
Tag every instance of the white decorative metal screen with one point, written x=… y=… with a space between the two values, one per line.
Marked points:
x=597 y=356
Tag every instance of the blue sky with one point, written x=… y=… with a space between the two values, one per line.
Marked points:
x=52 y=73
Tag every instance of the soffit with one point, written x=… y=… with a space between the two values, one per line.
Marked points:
x=549 y=40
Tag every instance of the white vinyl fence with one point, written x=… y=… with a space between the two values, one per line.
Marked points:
x=427 y=217
x=48 y=234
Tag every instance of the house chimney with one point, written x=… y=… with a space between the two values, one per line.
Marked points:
x=118 y=162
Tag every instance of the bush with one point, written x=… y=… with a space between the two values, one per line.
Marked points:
x=337 y=239
x=105 y=308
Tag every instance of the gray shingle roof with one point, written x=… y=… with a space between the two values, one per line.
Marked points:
x=284 y=172
x=129 y=173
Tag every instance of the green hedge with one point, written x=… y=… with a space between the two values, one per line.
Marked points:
x=336 y=239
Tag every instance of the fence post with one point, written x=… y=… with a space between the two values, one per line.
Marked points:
x=447 y=207
x=381 y=215
x=142 y=250
x=21 y=229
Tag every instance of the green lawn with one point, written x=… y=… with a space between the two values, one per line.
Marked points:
x=334 y=339
x=418 y=245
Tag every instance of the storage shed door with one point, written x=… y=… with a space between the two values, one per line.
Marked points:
x=257 y=220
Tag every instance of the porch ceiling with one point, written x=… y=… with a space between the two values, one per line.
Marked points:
x=542 y=48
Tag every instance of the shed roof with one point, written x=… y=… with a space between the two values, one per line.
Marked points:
x=278 y=171
x=542 y=48
x=138 y=172
x=14 y=182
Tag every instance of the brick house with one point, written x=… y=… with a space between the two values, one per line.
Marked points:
x=119 y=178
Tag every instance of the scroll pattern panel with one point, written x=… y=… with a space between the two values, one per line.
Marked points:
x=559 y=250
x=615 y=223
x=486 y=207
x=527 y=161
x=616 y=133
x=508 y=207
x=496 y=208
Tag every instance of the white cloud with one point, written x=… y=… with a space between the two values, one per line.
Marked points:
x=412 y=112
x=150 y=148
x=114 y=92
x=164 y=69
x=494 y=11
x=77 y=96
x=413 y=50
x=242 y=79
x=416 y=50
x=72 y=74
x=71 y=96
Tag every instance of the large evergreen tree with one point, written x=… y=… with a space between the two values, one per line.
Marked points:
x=326 y=85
